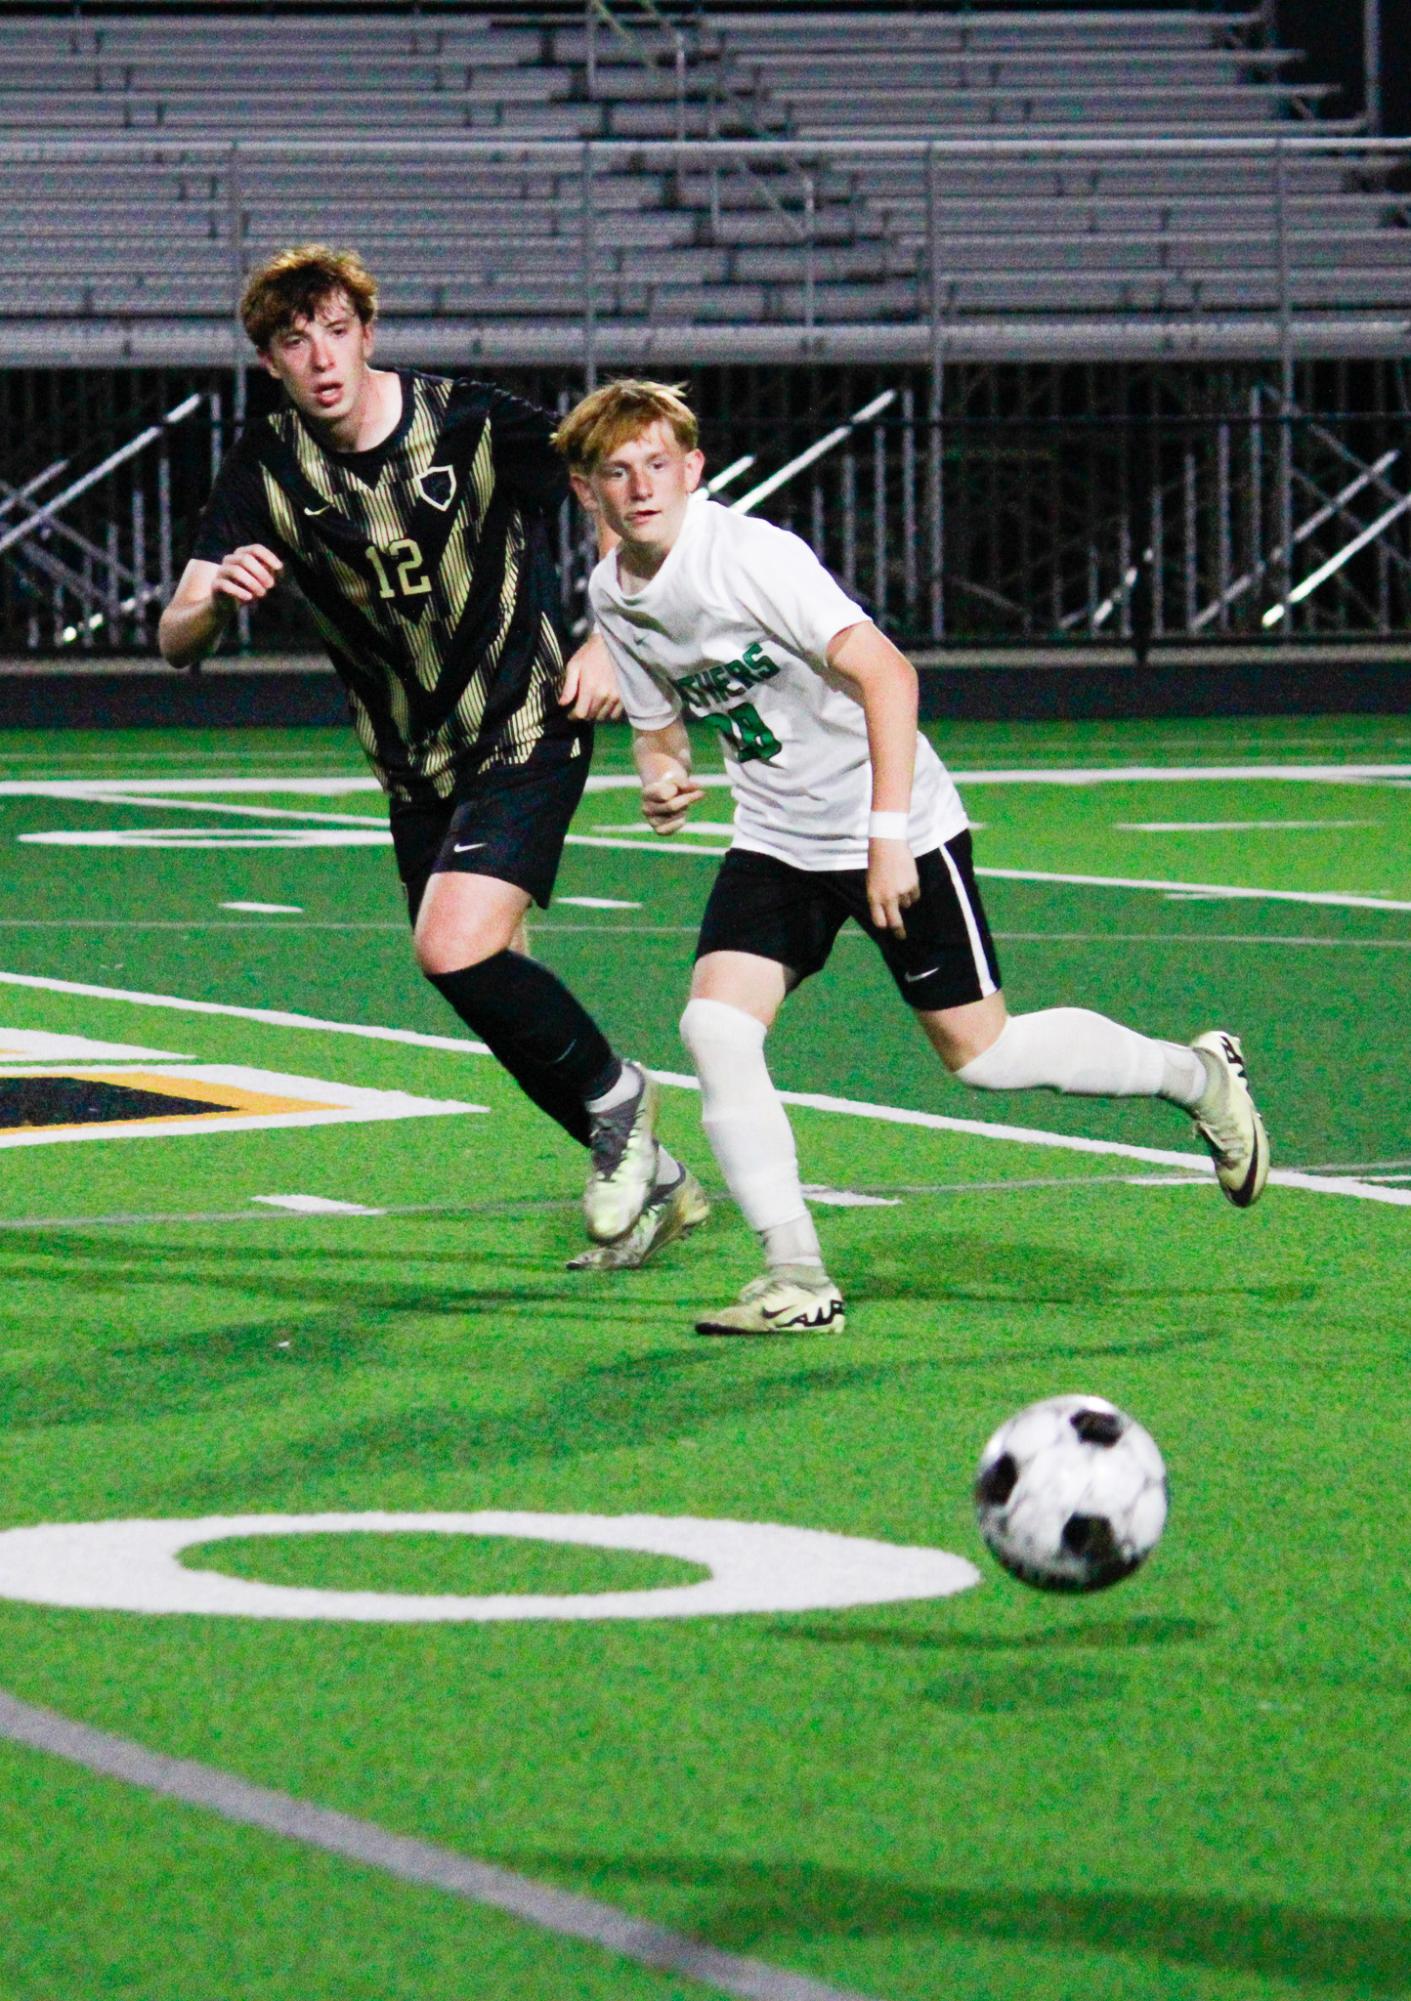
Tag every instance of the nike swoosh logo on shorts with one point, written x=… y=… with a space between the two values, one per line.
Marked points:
x=910 y=978
x=464 y=847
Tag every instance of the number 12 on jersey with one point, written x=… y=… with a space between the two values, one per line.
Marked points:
x=745 y=731
x=404 y=558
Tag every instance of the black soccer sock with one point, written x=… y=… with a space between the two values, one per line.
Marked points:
x=536 y=1030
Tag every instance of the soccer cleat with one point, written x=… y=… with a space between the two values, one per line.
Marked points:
x=1228 y=1120
x=624 y=1149
x=791 y=1299
x=670 y=1213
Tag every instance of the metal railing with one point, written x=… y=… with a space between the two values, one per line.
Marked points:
x=152 y=273
x=630 y=35
x=995 y=529
x=1263 y=508
x=92 y=564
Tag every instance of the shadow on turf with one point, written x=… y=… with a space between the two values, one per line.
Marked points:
x=758 y=1906
x=941 y=1264
x=1017 y=1676
x=1148 y=1630
x=315 y=1311
x=629 y=1403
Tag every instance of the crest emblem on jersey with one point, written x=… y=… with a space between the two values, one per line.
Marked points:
x=437 y=486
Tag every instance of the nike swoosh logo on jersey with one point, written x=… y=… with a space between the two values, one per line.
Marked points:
x=313 y=511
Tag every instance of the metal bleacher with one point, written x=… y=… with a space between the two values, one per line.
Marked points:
x=729 y=185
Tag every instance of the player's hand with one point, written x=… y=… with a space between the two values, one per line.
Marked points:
x=247 y=574
x=590 y=692
x=667 y=800
x=892 y=884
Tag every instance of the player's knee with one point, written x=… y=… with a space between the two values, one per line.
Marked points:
x=436 y=957
x=445 y=948
x=714 y=1031
x=986 y=1069
x=486 y=994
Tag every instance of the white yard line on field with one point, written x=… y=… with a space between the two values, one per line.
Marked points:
x=814 y=1101
x=1234 y=826
x=149 y=793
x=365 y=1843
x=1354 y=773
x=1340 y=899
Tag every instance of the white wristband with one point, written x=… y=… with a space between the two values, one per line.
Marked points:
x=887 y=826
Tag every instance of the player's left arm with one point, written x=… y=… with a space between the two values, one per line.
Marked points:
x=884 y=682
x=590 y=688
x=590 y=692
x=663 y=760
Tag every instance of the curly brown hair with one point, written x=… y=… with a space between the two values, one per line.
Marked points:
x=294 y=283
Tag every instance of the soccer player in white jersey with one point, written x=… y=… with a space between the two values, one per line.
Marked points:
x=841 y=810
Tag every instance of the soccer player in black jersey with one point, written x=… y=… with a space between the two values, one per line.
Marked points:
x=415 y=513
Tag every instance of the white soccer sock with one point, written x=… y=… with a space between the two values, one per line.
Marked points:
x=747 y=1126
x=1074 y=1050
x=792 y=1243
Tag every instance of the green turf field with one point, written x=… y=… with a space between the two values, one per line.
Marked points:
x=1191 y=1787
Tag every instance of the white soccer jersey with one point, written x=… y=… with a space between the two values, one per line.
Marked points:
x=734 y=630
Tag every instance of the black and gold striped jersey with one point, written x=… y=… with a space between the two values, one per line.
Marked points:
x=428 y=565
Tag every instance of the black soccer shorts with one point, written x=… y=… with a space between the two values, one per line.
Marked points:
x=509 y=822
x=792 y=915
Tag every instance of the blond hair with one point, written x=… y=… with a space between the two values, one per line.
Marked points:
x=611 y=416
x=294 y=283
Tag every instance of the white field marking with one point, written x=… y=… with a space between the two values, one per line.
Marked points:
x=1329 y=898
x=562 y=1913
x=550 y=926
x=303 y=814
x=885 y=1114
x=273 y=1017
x=376 y=835
x=628 y=781
x=272 y=909
x=132 y=1219
x=267 y=838
x=101 y=789
x=1189 y=774
x=1187 y=891
x=1232 y=826
x=691 y=827
x=1194 y=1164
x=131 y=1566
x=316 y=1205
x=1193 y=938
x=333 y=1104
x=653 y=844
x=1359 y=772
x=598 y=903
x=238 y=924
x=1165 y=1180
x=38 y=1045
x=847 y=1198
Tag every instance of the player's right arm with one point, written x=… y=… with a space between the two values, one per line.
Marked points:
x=206 y=597
x=663 y=759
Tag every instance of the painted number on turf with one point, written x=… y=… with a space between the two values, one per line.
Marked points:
x=404 y=558
x=746 y=732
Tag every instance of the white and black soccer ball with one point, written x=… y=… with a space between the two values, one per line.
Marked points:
x=1071 y=1494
